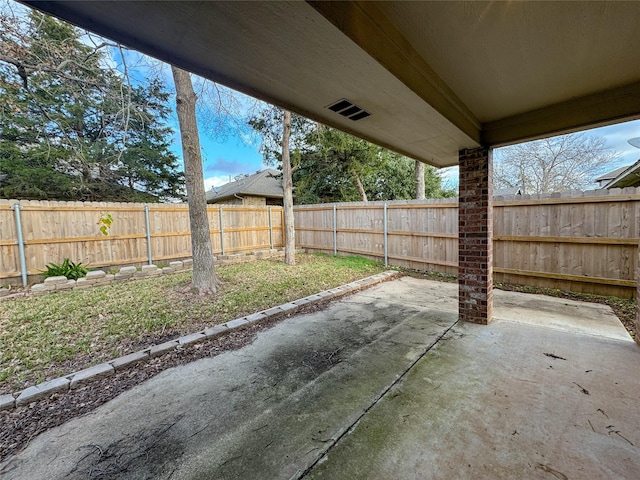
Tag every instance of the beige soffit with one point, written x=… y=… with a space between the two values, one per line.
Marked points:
x=436 y=77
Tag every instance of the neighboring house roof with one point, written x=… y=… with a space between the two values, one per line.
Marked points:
x=611 y=175
x=628 y=176
x=266 y=183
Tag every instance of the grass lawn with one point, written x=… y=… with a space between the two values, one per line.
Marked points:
x=48 y=336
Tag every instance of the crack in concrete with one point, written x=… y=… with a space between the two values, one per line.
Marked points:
x=300 y=474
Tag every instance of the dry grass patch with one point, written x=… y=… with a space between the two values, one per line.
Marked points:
x=47 y=336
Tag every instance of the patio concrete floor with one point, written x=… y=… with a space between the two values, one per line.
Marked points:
x=384 y=384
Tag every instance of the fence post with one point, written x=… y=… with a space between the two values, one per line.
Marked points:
x=23 y=260
x=386 y=231
x=148 y=225
x=270 y=230
x=335 y=230
x=221 y=230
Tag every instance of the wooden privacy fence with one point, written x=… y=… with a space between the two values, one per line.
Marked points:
x=35 y=233
x=576 y=241
x=585 y=242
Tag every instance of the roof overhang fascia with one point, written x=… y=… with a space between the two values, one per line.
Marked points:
x=628 y=177
x=599 y=109
x=86 y=14
x=368 y=27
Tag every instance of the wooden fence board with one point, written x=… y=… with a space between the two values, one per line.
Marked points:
x=580 y=241
x=53 y=231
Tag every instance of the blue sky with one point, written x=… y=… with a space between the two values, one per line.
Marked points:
x=615 y=135
x=233 y=156
x=225 y=155
x=237 y=152
x=226 y=159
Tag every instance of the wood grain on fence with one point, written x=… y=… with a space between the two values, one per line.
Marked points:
x=53 y=231
x=585 y=242
x=578 y=241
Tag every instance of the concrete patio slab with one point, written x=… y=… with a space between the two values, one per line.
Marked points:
x=488 y=403
x=382 y=384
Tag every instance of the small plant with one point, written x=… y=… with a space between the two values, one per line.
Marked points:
x=105 y=223
x=67 y=268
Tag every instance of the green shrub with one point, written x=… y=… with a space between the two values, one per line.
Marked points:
x=67 y=268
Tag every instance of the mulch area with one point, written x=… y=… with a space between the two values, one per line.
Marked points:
x=20 y=425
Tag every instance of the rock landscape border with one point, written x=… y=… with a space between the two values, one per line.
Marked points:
x=78 y=379
x=97 y=278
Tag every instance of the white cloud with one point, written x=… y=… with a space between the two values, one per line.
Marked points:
x=210 y=182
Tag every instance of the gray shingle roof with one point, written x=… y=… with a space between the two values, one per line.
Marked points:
x=628 y=176
x=612 y=174
x=266 y=183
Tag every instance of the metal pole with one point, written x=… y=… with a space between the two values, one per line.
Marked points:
x=23 y=260
x=270 y=230
x=335 y=230
x=221 y=231
x=146 y=221
x=386 y=231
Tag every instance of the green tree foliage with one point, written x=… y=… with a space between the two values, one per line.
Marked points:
x=321 y=181
x=344 y=160
x=333 y=166
x=146 y=163
x=395 y=180
x=72 y=127
x=267 y=122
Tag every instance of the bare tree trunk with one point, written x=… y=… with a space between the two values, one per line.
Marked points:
x=287 y=185
x=419 y=180
x=360 y=187
x=204 y=276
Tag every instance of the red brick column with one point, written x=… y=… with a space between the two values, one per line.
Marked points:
x=475 y=244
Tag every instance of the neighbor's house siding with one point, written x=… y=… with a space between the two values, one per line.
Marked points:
x=252 y=201
x=246 y=200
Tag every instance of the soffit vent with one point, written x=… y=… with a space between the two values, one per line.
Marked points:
x=349 y=109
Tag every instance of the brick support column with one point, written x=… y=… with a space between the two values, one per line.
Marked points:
x=475 y=238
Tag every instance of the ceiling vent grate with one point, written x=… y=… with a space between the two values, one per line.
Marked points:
x=349 y=109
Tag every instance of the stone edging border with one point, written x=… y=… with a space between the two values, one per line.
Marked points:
x=80 y=378
x=98 y=278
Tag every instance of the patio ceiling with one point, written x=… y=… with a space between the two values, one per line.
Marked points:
x=436 y=77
